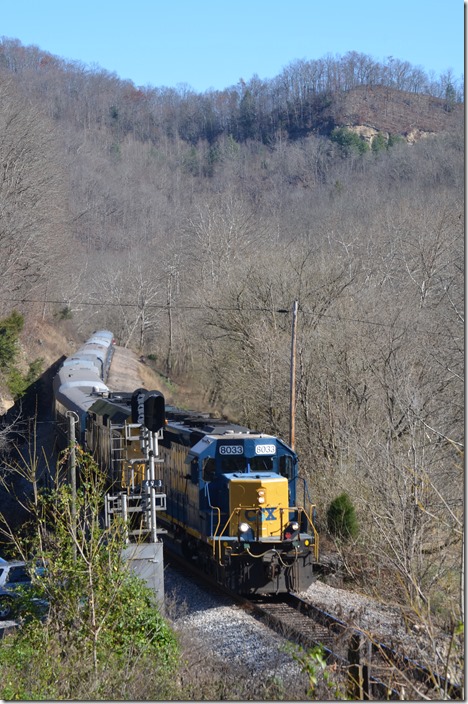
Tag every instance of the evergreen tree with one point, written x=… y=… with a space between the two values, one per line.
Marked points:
x=341 y=518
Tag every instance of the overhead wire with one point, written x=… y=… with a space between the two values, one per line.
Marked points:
x=248 y=309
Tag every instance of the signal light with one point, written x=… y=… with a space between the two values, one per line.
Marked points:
x=137 y=403
x=149 y=409
x=154 y=411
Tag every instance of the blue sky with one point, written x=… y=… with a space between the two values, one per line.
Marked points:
x=214 y=43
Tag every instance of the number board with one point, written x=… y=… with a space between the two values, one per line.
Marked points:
x=265 y=449
x=231 y=449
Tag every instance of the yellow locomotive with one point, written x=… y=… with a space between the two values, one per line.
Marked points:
x=231 y=495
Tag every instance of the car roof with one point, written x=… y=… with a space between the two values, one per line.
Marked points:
x=12 y=563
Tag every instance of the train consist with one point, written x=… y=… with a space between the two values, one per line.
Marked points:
x=81 y=379
x=234 y=503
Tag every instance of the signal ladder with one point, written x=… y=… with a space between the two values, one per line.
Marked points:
x=141 y=498
x=125 y=506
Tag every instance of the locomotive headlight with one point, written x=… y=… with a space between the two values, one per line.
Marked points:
x=245 y=534
x=260 y=496
x=291 y=531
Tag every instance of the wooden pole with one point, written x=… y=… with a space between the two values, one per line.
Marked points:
x=292 y=408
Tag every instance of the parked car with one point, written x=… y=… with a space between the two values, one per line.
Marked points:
x=14 y=574
x=7 y=604
x=15 y=580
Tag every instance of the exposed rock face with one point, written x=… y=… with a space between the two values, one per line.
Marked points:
x=370 y=110
x=368 y=133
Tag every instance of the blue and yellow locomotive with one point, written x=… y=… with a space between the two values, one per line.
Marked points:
x=234 y=504
x=233 y=507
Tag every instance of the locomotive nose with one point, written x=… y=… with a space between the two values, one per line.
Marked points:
x=261 y=502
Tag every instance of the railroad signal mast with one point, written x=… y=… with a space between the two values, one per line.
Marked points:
x=149 y=412
x=148 y=416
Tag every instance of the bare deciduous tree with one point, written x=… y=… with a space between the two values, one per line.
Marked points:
x=32 y=195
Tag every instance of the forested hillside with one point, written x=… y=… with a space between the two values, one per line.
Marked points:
x=189 y=224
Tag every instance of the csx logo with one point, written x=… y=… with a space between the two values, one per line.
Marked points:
x=266 y=514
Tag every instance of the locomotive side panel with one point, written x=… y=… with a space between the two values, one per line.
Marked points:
x=182 y=492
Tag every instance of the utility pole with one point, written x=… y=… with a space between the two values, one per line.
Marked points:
x=292 y=395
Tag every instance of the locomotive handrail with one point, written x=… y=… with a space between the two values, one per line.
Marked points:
x=217 y=538
x=213 y=508
x=315 y=532
x=305 y=491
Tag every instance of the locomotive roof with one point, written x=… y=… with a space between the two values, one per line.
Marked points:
x=203 y=423
x=116 y=406
x=75 y=399
x=240 y=436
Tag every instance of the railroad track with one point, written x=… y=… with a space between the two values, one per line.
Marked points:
x=370 y=669
x=373 y=669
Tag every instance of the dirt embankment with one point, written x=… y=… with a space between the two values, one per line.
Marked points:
x=129 y=372
x=124 y=373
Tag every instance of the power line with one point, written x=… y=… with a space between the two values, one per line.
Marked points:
x=163 y=306
x=181 y=306
x=251 y=309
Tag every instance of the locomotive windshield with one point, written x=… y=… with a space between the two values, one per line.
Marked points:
x=232 y=465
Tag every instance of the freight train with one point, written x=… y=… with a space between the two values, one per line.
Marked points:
x=234 y=503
